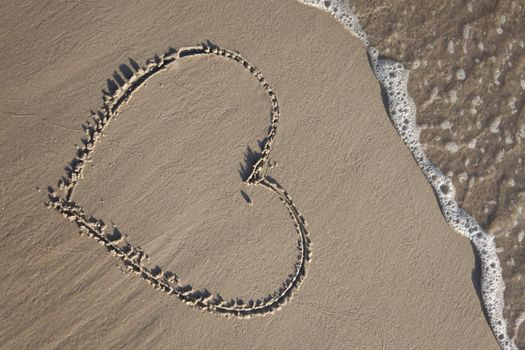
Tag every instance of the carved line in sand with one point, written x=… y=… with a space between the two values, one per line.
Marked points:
x=132 y=256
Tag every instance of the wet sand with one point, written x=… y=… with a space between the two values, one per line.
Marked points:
x=466 y=61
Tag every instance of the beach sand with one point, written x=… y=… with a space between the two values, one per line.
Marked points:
x=387 y=271
x=467 y=64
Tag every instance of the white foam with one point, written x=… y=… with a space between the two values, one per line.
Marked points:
x=344 y=15
x=481 y=46
x=466 y=31
x=402 y=111
x=452 y=147
x=518 y=323
x=521 y=132
x=497 y=74
x=508 y=137
x=500 y=155
x=446 y=125
x=450 y=47
x=460 y=74
x=512 y=105
x=477 y=101
x=453 y=94
x=494 y=126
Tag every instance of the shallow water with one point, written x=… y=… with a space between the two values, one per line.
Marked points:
x=466 y=62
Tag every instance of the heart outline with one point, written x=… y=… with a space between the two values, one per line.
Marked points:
x=132 y=256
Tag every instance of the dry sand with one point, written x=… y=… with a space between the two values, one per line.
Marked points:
x=387 y=271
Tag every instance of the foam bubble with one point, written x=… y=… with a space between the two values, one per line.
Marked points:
x=466 y=31
x=508 y=138
x=519 y=320
x=342 y=12
x=500 y=155
x=497 y=74
x=494 y=127
x=446 y=125
x=402 y=111
x=450 y=47
x=452 y=147
x=481 y=47
x=521 y=132
x=512 y=105
x=453 y=94
x=477 y=101
x=460 y=74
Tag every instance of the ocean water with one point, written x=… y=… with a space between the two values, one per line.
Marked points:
x=453 y=80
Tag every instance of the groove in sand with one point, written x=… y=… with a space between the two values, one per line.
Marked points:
x=132 y=256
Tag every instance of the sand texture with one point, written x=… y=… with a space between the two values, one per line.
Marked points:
x=168 y=166
x=467 y=63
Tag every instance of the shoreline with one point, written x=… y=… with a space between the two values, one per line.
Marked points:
x=491 y=247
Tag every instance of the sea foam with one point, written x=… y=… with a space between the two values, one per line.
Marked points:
x=393 y=78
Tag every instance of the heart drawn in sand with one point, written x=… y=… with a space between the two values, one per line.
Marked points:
x=132 y=256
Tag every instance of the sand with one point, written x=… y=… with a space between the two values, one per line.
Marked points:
x=473 y=125
x=386 y=270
